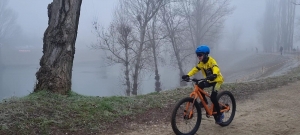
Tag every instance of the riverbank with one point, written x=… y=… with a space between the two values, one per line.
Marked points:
x=47 y=113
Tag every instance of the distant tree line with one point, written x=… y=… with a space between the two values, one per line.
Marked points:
x=9 y=29
x=278 y=25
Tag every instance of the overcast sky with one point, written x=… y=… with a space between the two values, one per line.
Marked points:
x=247 y=15
x=32 y=16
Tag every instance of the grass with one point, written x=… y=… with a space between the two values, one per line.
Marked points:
x=47 y=113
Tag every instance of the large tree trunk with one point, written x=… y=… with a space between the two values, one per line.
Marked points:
x=55 y=73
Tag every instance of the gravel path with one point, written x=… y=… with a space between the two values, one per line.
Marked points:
x=268 y=111
x=272 y=111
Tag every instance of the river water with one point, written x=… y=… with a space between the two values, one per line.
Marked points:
x=92 y=77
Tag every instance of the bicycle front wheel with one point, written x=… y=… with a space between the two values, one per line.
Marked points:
x=227 y=99
x=182 y=122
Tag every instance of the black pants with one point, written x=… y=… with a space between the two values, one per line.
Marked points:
x=213 y=96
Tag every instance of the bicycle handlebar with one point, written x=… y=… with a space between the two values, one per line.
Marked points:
x=194 y=80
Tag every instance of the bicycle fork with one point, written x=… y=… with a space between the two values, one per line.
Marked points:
x=187 y=110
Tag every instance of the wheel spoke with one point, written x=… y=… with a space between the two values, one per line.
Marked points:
x=186 y=124
x=227 y=99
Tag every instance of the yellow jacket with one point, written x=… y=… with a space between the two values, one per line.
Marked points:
x=210 y=67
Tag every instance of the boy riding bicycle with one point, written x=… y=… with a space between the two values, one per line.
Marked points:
x=212 y=73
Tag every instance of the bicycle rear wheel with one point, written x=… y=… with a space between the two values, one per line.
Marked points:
x=183 y=125
x=226 y=98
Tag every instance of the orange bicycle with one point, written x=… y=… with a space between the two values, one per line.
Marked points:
x=186 y=116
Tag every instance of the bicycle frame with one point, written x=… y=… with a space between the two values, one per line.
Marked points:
x=209 y=110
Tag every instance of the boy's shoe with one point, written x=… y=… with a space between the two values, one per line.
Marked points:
x=220 y=119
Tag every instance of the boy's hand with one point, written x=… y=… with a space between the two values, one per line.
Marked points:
x=185 y=77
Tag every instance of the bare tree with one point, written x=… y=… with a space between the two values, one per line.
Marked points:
x=154 y=40
x=8 y=25
x=140 y=13
x=278 y=29
x=190 y=23
x=270 y=28
x=9 y=29
x=205 y=19
x=291 y=23
x=118 y=41
x=174 y=27
x=55 y=73
x=297 y=30
x=286 y=26
x=130 y=38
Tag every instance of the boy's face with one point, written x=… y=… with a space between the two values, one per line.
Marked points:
x=200 y=56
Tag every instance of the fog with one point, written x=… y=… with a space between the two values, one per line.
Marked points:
x=245 y=17
x=91 y=75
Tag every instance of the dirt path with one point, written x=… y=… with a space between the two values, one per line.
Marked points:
x=275 y=111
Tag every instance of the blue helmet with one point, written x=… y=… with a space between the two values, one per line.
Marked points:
x=203 y=49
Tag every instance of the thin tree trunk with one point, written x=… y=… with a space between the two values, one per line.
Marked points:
x=154 y=52
x=182 y=83
x=138 y=61
x=125 y=31
x=143 y=11
x=128 y=84
x=178 y=59
x=55 y=73
x=291 y=23
x=157 y=77
x=176 y=50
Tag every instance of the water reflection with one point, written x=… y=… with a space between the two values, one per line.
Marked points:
x=17 y=80
x=90 y=75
